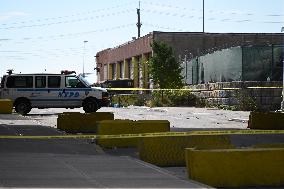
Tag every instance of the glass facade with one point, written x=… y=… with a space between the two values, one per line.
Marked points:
x=247 y=63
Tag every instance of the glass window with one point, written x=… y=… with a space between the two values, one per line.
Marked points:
x=20 y=82
x=40 y=81
x=277 y=64
x=73 y=82
x=257 y=63
x=84 y=81
x=54 y=81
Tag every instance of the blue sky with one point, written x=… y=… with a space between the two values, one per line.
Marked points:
x=39 y=35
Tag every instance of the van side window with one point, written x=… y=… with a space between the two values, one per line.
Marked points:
x=40 y=81
x=54 y=81
x=73 y=82
x=20 y=82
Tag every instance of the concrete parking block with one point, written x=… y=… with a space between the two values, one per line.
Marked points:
x=237 y=167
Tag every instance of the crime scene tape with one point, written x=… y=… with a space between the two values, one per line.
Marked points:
x=227 y=88
x=145 y=135
x=144 y=89
x=275 y=87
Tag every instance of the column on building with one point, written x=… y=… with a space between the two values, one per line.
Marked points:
x=112 y=71
x=131 y=69
x=145 y=72
x=121 y=69
x=126 y=68
x=105 y=72
x=135 y=69
x=140 y=71
x=117 y=65
x=109 y=72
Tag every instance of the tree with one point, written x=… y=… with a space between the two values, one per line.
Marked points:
x=164 y=68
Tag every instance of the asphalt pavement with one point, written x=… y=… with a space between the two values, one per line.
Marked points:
x=72 y=163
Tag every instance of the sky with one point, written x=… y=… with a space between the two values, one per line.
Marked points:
x=47 y=36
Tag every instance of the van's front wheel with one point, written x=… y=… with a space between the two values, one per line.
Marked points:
x=23 y=106
x=90 y=105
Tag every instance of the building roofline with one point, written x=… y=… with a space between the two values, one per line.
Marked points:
x=126 y=43
x=192 y=33
x=214 y=33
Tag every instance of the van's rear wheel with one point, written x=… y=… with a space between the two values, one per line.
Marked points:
x=23 y=106
x=90 y=105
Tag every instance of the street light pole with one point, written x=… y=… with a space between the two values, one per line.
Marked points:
x=84 y=59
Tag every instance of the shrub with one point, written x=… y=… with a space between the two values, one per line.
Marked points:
x=129 y=99
x=246 y=101
x=173 y=98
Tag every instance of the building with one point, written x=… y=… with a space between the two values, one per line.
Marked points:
x=129 y=61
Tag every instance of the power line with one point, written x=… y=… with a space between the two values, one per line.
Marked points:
x=184 y=16
x=60 y=36
x=209 y=11
x=68 y=16
x=69 y=21
x=168 y=13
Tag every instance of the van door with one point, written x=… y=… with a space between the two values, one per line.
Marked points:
x=40 y=94
x=54 y=90
x=75 y=92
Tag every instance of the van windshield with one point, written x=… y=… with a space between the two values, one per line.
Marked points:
x=81 y=78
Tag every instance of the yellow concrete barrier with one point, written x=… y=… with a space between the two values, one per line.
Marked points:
x=266 y=120
x=6 y=106
x=237 y=167
x=169 y=150
x=75 y=122
x=151 y=126
x=117 y=127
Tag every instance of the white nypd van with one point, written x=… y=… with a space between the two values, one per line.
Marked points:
x=65 y=90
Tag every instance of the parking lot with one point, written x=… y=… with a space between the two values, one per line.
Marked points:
x=80 y=163
x=73 y=163
x=181 y=118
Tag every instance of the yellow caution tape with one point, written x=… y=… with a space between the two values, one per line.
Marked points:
x=144 y=89
x=275 y=87
x=230 y=89
x=225 y=132
x=227 y=88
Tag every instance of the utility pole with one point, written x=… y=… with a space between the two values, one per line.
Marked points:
x=139 y=22
x=203 y=17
